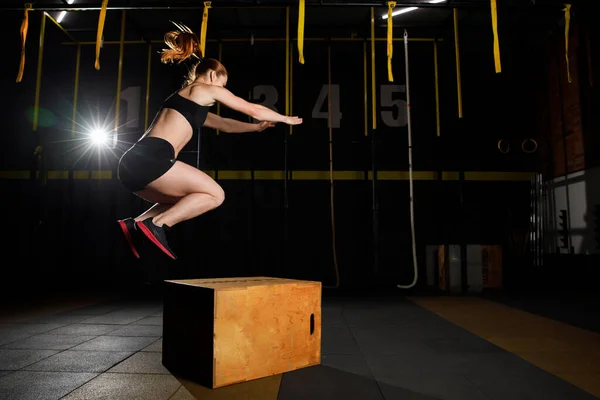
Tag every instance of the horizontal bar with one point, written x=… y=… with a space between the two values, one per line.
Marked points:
x=197 y=5
x=122 y=8
x=265 y=40
x=300 y=175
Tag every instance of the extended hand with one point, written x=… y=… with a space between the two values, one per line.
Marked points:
x=293 y=120
x=264 y=125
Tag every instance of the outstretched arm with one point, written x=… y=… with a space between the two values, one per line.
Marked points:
x=256 y=111
x=229 y=125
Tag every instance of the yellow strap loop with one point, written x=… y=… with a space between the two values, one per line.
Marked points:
x=24 y=29
x=390 y=40
x=101 y=22
x=496 y=40
x=301 y=31
x=567 y=11
x=207 y=5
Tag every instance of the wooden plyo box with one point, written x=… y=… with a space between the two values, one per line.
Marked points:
x=218 y=332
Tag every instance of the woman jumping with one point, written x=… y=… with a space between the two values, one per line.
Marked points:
x=150 y=168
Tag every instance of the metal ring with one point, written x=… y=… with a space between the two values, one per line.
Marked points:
x=500 y=146
x=535 y=146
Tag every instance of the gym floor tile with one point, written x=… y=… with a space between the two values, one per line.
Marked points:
x=140 y=308
x=371 y=349
x=93 y=310
x=351 y=363
x=414 y=319
x=321 y=382
x=332 y=316
x=531 y=343
x=13 y=359
x=36 y=308
x=388 y=340
x=114 y=318
x=138 y=330
x=79 y=361
x=127 y=386
x=150 y=321
x=498 y=364
x=338 y=340
x=184 y=394
x=370 y=317
x=154 y=347
x=141 y=363
x=26 y=385
x=59 y=319
x=582 y=311
x=48 y=342
x=421 y=386
x=566 y=351
x=425 y=361
x=31 y=329
x=568 y=362
x=84 y=329
x=589 y=382
x=533 y=385
x=258 y=389
x=116 y=343
x=461 y=345
x=9 y=337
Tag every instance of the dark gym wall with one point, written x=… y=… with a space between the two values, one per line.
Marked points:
x=66 y=226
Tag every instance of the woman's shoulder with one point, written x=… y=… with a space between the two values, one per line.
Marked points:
x=201 y=93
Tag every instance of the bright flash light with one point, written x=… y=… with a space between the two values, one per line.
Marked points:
x=400 y=11
x=409 y=9
x=62 y=15
x=99 y=137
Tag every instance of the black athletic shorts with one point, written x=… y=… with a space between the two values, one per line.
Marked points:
x=144 y=162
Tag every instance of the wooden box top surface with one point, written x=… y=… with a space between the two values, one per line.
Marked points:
x=241 y=282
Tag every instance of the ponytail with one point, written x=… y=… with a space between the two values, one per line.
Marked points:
x=183 y=44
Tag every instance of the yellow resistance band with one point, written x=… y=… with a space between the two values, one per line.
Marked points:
x=24 y=29
x=203 y=29
x=567 y=11
x=301 y=31
x=496 y=41
x=390 y=40
x=101 y=21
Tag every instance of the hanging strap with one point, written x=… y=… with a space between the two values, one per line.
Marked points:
x=204 y=27
x=101 y=22
x=301 y=31
x=390 y=39
x=496 y=40
x=24 y=29
x=567 y=11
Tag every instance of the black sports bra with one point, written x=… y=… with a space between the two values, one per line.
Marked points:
x=192 y=111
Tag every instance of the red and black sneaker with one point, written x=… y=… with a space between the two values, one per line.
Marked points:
x=128 y=226
x=156 y=234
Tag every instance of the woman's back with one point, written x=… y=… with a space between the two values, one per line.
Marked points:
x=182 y=114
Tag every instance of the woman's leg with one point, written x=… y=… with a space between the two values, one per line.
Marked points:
x=195 y=193
x=153 y=211
x=161 y=204
x=182 y=193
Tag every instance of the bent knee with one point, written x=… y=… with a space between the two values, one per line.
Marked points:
x=218 y=196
